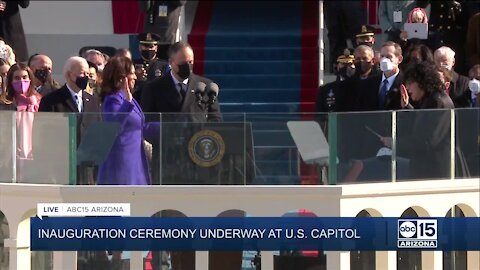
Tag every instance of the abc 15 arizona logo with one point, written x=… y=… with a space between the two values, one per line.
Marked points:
x=417 y=233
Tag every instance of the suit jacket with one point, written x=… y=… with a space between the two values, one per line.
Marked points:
x=161 y=96
x=369 y=90
x=62 y=101
x=126 y=164
x=459 y=91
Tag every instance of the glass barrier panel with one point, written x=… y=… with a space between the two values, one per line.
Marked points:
x=7 y=154
x=115 y=148
x=42 y=143
x=423 y=145
x=277 y=159
x=358 y=140
x=467 y=143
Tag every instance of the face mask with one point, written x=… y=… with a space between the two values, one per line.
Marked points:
x=184 y=70
x=474 y=86
x=386 y=64
x=446 y=66
x=363 y=67
x=82 y=82
x=21 y=87
x=42 y=75
x=92 y=83
x=350 y=72
x=148 y=54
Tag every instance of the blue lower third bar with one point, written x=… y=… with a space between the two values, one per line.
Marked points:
x=254 y=233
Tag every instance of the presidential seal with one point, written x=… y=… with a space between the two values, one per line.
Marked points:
x=206 y=148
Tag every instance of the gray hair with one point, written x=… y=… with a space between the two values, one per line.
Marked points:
x=364 y=48
x=444 y=50
x=72 y=61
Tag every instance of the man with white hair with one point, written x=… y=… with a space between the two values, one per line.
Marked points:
x=72 y=98
x=458 y=91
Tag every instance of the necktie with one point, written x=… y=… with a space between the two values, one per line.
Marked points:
x=382 y=94
x=77 y=101
x=183 y=90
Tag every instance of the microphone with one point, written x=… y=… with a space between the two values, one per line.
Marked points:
x=212 y=92
x=199 y=91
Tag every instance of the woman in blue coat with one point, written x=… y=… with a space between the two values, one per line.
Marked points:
x=126 y=164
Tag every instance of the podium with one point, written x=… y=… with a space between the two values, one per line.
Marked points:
x=206 y=154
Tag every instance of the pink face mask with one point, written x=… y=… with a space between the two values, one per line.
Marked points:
x=21 y=87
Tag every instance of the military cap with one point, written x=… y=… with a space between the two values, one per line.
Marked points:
x=346 y=58
x=366 y=30
x=148 y=38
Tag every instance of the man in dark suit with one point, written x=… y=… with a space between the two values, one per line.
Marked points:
x=458 y=90
x=174 y=92
x=71 y=98
x=382 y=92
x=376 y=93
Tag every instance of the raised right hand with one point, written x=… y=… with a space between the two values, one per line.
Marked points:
x=404 y=99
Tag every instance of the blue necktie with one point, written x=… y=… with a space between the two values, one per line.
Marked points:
x=183 y=90
x=382 y=94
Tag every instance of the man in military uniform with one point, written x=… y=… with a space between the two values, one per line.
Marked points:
x=366 y=36
x=331 y=96
x=148 y=67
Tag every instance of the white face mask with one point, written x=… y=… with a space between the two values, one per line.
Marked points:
x=446 y=66
x=386 y=64
x=474 y=86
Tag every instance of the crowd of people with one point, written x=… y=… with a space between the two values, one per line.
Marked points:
x=112 y=89
x=438 y=71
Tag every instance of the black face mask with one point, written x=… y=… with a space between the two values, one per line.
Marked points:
x=148 y=54
x=363 y=67
x=184 y=70
x=82 y=82
x=42 y=75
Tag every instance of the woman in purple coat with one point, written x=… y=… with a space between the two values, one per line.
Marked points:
x=126 y=164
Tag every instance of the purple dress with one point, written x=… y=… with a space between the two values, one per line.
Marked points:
x=126 y=164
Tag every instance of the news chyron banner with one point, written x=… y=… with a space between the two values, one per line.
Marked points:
x=67 y=227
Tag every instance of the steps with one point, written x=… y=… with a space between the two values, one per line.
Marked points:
x=261 y=54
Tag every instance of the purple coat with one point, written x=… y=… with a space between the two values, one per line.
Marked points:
x=126 y=164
